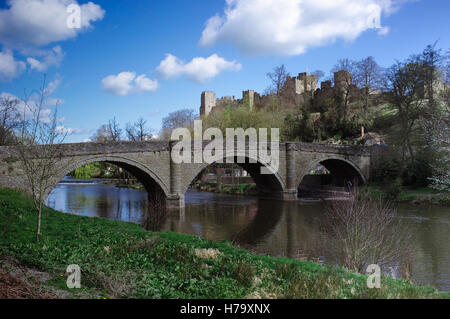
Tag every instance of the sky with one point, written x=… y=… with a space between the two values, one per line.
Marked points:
x=146 y=58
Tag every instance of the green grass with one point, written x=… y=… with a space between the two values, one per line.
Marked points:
x=419 y=195
x=123 y=260
x=411 y=194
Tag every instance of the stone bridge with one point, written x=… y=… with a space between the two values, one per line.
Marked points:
x=151 y=164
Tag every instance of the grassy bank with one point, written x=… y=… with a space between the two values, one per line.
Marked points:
x=239 y=189
x=413 y=196
x=119 y=259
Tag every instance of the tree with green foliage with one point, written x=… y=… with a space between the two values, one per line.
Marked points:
x=405 y=82
x=415 y=88
x=92 y=170
x=231 y=116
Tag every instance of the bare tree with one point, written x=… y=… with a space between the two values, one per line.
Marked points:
x=38 y=148
x=138 y=131
x=278 y=78
x=110 y=132
x=114 y=130
x=344 y=64
x=101 y=135
x=9 y=119
x=367 y=75
x=181 y=118
x=319 y=74
x=362 y=231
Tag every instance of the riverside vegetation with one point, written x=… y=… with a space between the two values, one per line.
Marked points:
x=122 y=260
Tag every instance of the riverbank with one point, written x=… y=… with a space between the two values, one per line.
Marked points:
x=123 y=184
x=239 y=189
x=418 y=196
x=122 y=260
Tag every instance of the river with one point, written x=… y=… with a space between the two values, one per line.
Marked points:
x=275 y=228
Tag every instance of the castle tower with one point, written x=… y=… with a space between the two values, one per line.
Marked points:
x=342 y=79
x=308 y=82
x=303 y=83
x=325 y=85
x=208 y=102
x=250 y=95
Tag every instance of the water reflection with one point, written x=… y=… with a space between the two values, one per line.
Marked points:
x=270 y=227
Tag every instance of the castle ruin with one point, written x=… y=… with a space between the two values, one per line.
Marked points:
x=300 y=89
x=303 y=83
x=342 y=80
x=208 y=102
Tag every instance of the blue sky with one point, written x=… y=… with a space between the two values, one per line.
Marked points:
x=231 y=52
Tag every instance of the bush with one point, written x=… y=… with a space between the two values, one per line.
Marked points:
x=362 y=231
x=417 y=174
x=392 y=191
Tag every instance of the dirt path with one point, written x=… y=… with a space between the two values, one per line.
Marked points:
x=12 y=286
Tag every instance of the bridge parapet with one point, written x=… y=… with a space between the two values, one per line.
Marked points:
x=70 y=149
x=334 y=149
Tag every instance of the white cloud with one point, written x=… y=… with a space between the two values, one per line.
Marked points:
x=290 y=27
x=49 y=90
x=6 y=95
x=49 y=58
x=9 y=67
x=145 y=84
x=126 y=83
x=119 y=84
x=383 y=30
x=29 y=25
x=61 y=129
x=31 y=103
x=54 y=101
x=198 y=69
x=41 y=22
x=29 y=107
x=170 y=67
x=53 y=85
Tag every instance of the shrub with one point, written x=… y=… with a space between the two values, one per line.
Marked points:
x=392 y=191
x=417 y=173
x=244 y=272
x=363 y=231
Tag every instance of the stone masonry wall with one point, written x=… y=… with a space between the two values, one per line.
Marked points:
x=151 y=160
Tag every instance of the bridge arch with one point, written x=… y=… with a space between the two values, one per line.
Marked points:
x=152 y=183
x=342 y=170
x=266 y=183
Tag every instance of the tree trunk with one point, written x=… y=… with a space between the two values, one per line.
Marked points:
x=38 y=231
x=410 y=150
